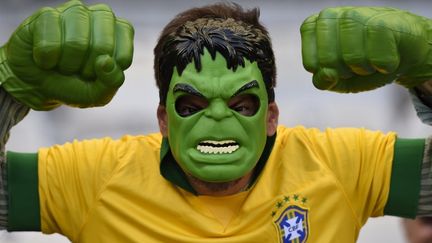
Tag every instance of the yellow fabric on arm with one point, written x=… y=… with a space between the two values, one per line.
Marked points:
x=73 y=177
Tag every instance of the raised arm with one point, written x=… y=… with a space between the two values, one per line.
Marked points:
x=354 y=49
x=73 y=54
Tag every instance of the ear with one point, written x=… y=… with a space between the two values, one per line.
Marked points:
x=162 y=120
x=272 y=118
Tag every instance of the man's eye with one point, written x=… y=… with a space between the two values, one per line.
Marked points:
x=189 y=105
x=243 y=109
x=246 y=105
x=187 y=110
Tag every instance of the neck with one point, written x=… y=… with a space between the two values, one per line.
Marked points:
x=220 y=188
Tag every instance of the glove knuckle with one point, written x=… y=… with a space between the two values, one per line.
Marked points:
x=354 y=57
x=45 y=10
x=125 y=24
x=328 y=59
x=102 y=48
x=79 y=45
x=124 y=61
x=100 y=7
x=329 y=13
x=46 y=47
x=356 y=14
x=383 y=65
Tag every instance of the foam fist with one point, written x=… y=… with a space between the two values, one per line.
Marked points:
x=353 y=49
x=73 y=54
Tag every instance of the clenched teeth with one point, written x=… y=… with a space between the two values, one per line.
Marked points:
x=217 y=147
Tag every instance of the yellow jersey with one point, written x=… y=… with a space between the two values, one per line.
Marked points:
x=316 y=186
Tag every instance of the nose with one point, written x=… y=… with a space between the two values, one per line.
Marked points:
x=218 y=110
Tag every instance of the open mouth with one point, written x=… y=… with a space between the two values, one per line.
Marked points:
x=217 y=147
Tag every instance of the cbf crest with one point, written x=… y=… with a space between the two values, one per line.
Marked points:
x=291 y=219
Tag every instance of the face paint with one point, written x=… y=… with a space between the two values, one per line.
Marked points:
x=217 y=119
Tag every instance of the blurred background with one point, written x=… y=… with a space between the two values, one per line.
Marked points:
x=133 y=109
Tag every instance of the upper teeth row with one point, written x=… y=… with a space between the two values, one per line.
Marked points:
x=218 y=142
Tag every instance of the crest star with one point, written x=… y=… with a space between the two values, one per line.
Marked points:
x=279 y=205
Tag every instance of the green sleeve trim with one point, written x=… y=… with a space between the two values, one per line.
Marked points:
x=405 y=178
x=23 y=209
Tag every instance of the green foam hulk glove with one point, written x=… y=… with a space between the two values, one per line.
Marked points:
x=353 y=49
x=73 y=54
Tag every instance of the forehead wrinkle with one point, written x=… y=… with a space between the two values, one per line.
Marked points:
x=207 y=83
x=247 y=78
x=195 y=81
x=212 y=81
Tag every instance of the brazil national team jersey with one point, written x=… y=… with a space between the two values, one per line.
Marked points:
x=316 y=186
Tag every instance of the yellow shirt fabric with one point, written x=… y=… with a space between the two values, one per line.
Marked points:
x=317 y=186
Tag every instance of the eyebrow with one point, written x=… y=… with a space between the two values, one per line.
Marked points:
x=250 y=85
x=187 y=89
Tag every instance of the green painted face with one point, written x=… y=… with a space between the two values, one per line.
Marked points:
x=217 y=119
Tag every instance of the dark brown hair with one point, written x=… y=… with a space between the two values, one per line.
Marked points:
x=225 y=28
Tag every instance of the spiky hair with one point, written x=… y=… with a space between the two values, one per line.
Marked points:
x=224 y=28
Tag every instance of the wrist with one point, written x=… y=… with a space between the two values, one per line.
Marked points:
x=425 y=88
x=11 y=112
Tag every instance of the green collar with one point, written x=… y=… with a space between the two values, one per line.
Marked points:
x=172 y=172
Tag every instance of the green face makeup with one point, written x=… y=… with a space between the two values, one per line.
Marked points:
x=217 y=119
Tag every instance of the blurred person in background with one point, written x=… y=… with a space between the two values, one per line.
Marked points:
x=418 y=230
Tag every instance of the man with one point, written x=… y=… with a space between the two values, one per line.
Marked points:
x=222 y=170
x=418 y=230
